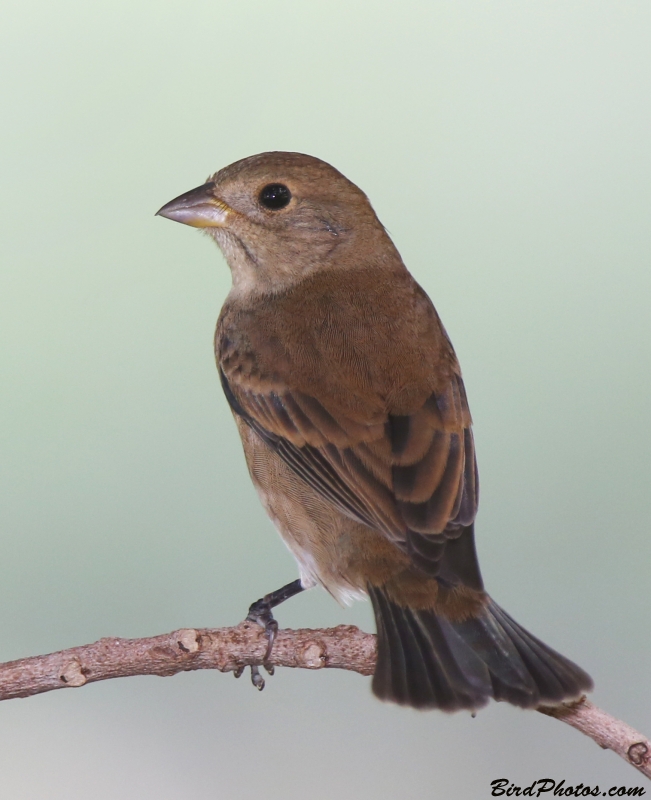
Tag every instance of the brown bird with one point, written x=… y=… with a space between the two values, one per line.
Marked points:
x=349 y=400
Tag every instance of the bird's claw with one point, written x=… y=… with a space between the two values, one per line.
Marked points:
x=256 y=679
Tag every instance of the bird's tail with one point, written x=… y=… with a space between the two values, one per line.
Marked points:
x=427 y=661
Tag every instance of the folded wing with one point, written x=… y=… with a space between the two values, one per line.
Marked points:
x=411 y=477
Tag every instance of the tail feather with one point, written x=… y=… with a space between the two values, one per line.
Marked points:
x=427 y=661
x=556 y=677
x=425 y=666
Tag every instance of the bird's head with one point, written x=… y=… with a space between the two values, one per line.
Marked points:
x=278 y=216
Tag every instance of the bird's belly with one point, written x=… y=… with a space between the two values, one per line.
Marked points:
x=317 y=535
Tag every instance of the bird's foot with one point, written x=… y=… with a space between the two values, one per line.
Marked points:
x=260 y=612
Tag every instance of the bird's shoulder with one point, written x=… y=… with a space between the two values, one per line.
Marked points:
x=357 y=339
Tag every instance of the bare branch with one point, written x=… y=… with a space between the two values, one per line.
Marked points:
x=229 y=649
x=606 y=731
x=224 y=649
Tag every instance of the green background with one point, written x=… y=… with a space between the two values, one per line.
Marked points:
x=505 y=145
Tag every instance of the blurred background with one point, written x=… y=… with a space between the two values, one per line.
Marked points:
x=505 y=146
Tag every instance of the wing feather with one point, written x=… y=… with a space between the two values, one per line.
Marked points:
x=411 y=477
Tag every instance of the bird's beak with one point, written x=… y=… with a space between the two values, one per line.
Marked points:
x=198 y=208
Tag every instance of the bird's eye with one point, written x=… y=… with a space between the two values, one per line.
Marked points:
x=275 y=196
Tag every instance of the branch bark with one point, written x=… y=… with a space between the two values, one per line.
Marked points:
x=231 y=649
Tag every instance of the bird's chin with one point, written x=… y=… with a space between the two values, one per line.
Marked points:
x=237 y=256
x=224 y=239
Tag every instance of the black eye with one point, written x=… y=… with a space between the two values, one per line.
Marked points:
x=275 y=196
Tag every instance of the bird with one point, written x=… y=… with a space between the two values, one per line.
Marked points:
x=350 y=403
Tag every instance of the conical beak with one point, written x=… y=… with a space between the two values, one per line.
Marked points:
x=198 y=208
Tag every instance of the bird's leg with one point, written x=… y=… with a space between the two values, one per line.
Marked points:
x=261 y=612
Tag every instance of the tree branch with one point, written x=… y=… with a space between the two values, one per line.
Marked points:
x=230 y=649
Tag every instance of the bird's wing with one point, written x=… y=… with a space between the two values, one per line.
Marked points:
x=412 y=477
